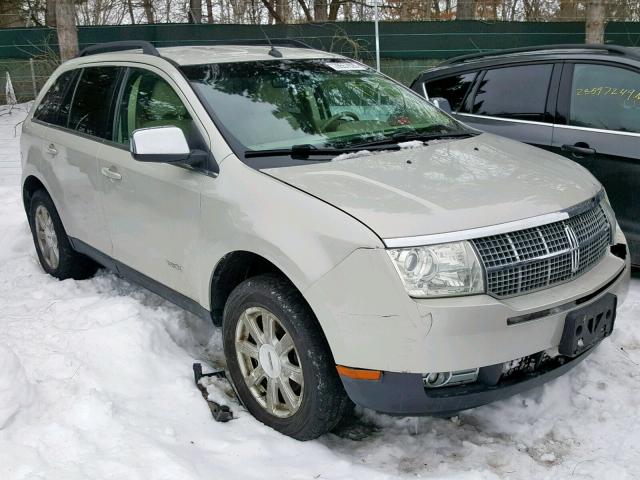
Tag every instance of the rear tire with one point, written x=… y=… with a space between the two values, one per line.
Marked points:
x=56 y=255
x=286 y=378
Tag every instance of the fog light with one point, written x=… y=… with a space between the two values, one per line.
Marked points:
x=449 y=379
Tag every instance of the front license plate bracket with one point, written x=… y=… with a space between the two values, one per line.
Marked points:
x=586 y=326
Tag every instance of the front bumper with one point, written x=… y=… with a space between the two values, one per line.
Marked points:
x=405 y=394
x=370 y=322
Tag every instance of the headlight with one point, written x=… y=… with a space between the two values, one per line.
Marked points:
x=439 y=270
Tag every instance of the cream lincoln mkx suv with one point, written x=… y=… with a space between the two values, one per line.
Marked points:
x=354 y=242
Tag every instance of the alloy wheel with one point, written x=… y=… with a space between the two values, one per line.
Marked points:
x=47 y=238
x=269 y=362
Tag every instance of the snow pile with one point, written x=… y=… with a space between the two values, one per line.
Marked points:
x=348 y=156
x=15 y=390
x=411 y=144
x=96 y=383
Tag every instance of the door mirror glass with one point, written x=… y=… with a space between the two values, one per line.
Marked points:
x=442 y=103
x=159 y=144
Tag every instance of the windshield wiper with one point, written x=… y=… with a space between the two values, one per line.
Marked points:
x=303 y=152
x=400 y=137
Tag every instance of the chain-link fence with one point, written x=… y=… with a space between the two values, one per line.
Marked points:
x=27 y=77
x=407 y=48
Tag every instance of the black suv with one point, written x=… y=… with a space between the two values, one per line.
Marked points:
x=581 y=101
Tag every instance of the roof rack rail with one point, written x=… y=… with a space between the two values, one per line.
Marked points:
x=146 y=47
x=567 y=46
x=273 y=42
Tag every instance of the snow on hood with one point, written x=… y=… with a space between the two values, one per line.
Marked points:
x=445 y=186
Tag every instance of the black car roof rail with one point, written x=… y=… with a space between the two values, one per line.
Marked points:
x=625 y=51
x=146 y=47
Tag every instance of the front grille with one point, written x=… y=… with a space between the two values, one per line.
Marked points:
x=536 y=258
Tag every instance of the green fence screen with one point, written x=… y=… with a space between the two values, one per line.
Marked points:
x=406 y=47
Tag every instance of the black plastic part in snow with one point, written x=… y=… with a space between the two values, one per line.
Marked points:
x=221 y=413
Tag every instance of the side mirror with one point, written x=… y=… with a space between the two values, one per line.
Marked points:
x=160 y=144
x=443 y=104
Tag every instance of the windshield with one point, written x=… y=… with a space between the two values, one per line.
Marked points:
x=322 y=102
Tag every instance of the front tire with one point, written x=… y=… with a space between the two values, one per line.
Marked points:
x=279 y=360
x=56 y=255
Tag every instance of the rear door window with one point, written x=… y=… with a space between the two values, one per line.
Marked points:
x=91 y=108
x=514 y=92
x=454 y=89
x=605 y=97
x=54 y=107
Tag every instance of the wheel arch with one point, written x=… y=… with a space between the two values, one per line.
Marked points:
x=30 y=186
x=234 y=268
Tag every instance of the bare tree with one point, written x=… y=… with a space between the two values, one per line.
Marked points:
x=210 y=11
x=320 y=13
x=195 y=11
x=595 y=21
x=147 y=5
x=132 y=17
x=67 y=32
x=10 y=13
x=50 y=14
x=306 y=10
x=465 y=10
x=273 y=13
x=568 y=10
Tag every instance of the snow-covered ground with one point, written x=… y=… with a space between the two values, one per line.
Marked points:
x=96 y=383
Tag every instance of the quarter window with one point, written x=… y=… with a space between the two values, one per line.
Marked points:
x=149 y=101
x=92 y=101
x=514 y=92
x=54 y=107
x=453 y=89
x=605 y=97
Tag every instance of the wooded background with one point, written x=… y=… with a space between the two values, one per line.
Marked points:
x=21 y=13
x=414 y=34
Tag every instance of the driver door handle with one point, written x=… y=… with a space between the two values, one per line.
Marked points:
x=579 y=149
x=113 y=175
x=52 y=150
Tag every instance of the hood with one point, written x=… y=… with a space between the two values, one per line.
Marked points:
x=447 y=186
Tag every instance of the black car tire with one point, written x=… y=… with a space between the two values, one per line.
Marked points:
x=324 y=401
x=71 y=264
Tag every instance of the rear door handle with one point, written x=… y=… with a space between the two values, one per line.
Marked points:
x=579 y=149
x=52 y=150
x=107 y=172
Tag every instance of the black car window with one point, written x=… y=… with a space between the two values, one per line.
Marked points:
x=149 y=101
x=54 y=107
x=92 y=101
x=514 y=92
x=453 y=88
x=605 y=97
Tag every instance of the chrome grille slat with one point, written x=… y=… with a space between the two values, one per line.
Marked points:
x=536 y=258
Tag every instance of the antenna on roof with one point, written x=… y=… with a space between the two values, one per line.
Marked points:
x=274 y=52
